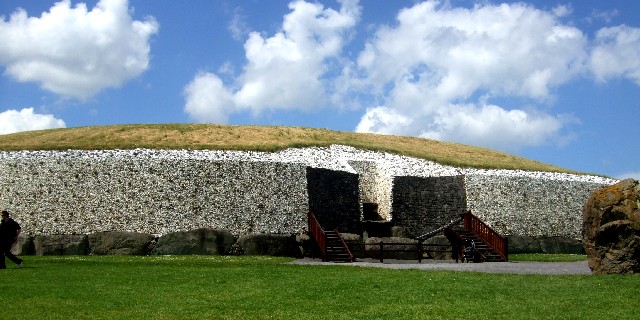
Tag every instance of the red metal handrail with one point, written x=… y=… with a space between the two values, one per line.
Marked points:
x=318 y=234
x=489 y=236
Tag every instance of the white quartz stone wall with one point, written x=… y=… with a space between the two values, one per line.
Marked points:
x=529 y=204
x=78 y=193
x=160 y=191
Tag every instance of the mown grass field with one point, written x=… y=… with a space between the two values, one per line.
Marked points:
x=260 y=138
x=224 y=287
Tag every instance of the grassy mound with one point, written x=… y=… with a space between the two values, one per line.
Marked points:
x=260 y=138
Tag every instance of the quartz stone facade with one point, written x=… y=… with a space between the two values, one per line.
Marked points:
x=163 y=191
x=527 y=205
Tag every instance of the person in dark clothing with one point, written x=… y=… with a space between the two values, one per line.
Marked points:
x=9 y=231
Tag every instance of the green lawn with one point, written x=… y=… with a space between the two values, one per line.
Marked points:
x=220 y=287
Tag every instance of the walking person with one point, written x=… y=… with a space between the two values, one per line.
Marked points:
x=9 y=231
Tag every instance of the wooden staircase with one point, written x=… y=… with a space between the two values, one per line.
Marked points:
x=489 y=245
x=486 y=253
x=332 y=246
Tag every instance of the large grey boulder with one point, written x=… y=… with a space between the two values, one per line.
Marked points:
x=611 y=229
x=63 y=244
x=270 y=244
x=202 y=241
x=119 y=243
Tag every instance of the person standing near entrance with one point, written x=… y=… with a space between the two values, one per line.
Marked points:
x=9 y=231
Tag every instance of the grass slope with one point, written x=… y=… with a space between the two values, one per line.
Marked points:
x=260 y=138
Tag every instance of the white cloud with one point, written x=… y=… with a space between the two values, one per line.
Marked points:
x=383 y=120
x=616 y=53
x=606 y=16
x=431 y=64
x=74 y=52
x=494 y=127
x=207 y=100
x=287 y=70
x=484 y=125
x=514 y=49
x=238 y=26
x=562 y=10
x=25 y=120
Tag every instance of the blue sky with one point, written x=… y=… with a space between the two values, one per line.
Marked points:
x=553 y=81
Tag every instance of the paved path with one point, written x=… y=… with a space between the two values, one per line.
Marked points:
x=489 y=267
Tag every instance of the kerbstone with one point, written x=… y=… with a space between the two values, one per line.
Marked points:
x=203 y=241
x=270 y=244
x=119 y=243
x=65 y=244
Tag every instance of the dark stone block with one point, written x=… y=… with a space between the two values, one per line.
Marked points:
x=524 y=244
x=64 y=244
x=202 y=241
x=270 y=245
x=119 y=243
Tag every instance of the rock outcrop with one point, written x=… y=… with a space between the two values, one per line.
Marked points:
x=611 y=229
